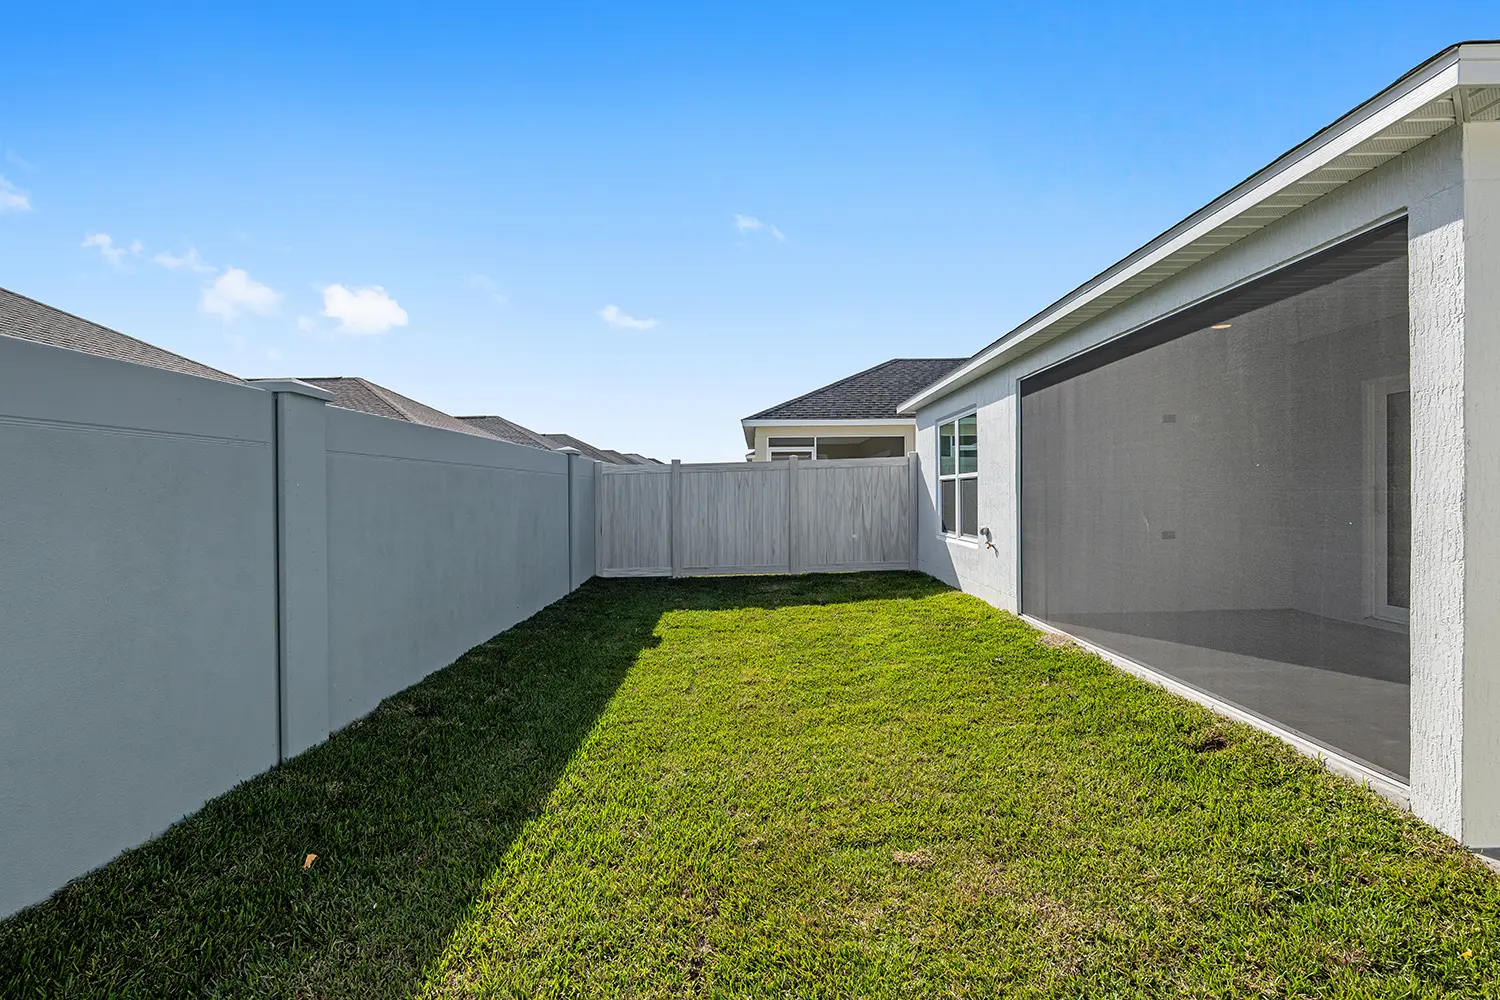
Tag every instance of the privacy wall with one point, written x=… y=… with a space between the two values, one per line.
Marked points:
x=201 y=578
x=757 y=517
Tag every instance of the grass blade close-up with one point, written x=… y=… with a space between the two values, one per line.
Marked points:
x=845 y=785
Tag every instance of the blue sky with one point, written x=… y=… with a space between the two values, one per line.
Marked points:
x=540 y=210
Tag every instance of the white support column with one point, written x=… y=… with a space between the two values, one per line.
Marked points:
x=301 y=562
x=1455 y=585
x=1481 y=534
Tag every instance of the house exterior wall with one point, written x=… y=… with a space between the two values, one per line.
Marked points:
x=905 y=429
x=1449 y=189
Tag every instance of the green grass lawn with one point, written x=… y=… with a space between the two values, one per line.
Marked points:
x=867 y=785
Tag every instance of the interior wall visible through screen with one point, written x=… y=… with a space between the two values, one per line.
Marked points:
x=1229 y=502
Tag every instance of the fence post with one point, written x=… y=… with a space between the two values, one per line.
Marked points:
x=791 y=515
x=914 y=498
x=300 y=421
x=599 y=501
x=674 y=516
x=572 y=491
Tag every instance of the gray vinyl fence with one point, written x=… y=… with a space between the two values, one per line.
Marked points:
x=757 y=517
x=201 y=578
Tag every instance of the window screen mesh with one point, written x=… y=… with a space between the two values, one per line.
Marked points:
x=1226 y=497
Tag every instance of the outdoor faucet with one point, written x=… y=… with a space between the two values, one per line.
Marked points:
x=989 y=540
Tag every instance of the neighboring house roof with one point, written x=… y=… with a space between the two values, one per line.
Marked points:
x=597 y=454
x=642 y=459
x=1459 y=84
x=28 y=319
x=509 y=430
x=361 y=394
x=872 y=394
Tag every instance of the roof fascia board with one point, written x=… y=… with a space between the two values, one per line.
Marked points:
x=1413 y=92
x=819 y=422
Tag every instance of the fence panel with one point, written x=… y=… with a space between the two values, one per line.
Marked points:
x=853 y=514
x=733 y=519
x=138 y=649
x=772 y=517
x=633 y=509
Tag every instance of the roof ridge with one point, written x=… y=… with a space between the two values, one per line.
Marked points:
x=847 y=378
x=118 y=333
x=825 y=388
x=386 y=394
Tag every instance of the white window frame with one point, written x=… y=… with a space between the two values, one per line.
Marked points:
x=956 y=477
x=1376 y=513
x=809 y=453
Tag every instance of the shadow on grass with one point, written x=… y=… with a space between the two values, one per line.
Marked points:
x=408 y=811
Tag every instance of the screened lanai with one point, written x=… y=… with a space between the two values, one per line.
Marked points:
x=1224 y=496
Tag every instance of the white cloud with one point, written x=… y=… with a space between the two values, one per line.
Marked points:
x=108 y=250
x=481 y=283
x=362 y=310
x=750 y=224
x=12 y=198
x=234 y=292
x=189 y=261
x=13 y=157
x=621 y=320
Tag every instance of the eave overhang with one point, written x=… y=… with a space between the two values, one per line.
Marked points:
x=1459 y=84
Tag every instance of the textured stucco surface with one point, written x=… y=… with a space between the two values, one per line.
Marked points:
x=137 y=605
x=1428 y=185
x=1481 y=373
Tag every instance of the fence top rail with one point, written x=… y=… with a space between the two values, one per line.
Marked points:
x=819 y=463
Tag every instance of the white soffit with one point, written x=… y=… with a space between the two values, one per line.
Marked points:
x=1459 y=84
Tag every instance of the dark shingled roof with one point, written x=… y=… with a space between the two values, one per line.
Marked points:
x=361 y=394
x=597 y=454
x=872 y=394
x=28 y=319
x=509 y=430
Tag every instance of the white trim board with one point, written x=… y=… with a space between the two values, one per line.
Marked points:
x=1347 y=767
x=1423 y=103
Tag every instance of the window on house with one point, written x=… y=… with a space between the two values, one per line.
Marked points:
x=958 y=476
x=836 y=447
x=782 y=448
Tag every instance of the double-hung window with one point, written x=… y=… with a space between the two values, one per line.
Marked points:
x=958 y=476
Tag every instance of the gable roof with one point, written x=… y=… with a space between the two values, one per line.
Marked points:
x=353 y=393
x=28 y=319
x=509 y=430
x=873 y=394
x=596 y=453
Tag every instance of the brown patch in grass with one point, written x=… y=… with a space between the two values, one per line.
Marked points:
x=1210 y=740
x=920 y=858
x=1054 y=641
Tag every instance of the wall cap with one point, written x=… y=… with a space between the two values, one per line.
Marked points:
x=291 y=385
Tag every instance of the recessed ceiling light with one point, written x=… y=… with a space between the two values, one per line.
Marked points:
x=1221 y=326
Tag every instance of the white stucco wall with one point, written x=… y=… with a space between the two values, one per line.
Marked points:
x=1449 y=188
